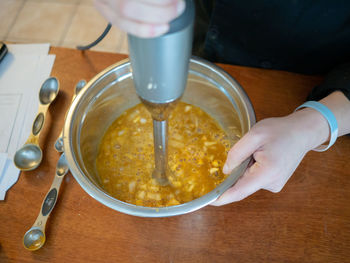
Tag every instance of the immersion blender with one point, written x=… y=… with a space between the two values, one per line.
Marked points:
x=160 y=69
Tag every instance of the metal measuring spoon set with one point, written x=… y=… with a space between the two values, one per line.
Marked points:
x=29 y=156
x=35 y=237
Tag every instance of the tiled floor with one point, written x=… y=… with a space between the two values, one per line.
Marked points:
x=65 y=23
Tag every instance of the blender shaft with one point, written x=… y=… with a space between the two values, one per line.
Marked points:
x=160 y=136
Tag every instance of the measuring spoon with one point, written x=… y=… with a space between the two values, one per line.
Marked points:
x=29 y=156
x=59 y=142
x=35 y=238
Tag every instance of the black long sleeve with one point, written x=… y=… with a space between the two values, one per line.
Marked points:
x=337 y=79
x=304 y=36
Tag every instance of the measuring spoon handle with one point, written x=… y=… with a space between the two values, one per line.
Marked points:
x=47 y=94
x=59 y=141
x=38 y=125
x=50 y=199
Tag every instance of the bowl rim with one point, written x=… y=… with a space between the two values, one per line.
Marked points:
x=141 y=211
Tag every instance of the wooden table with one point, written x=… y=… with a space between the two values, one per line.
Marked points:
x=308 y=221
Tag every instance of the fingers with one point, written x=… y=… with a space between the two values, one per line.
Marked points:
x=267 y=141
x=133 y=27
x=244 y=148
x=143 y=18
x=160 y=2
x=252 y=181
x=141 y=29
x=253 y=178
x=151 y=13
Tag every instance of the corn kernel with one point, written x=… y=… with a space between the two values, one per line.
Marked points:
x=215 y=163
x=188 y=108
x=137 y=119
x=213 y=170
x=209 y=143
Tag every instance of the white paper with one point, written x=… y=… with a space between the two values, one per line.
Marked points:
x=3 y=158
x=8 y=177
x=9 y=103
x=22 y=72
x=30 y=49
x=31 y=105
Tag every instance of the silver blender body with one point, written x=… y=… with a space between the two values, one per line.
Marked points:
x=160 y=69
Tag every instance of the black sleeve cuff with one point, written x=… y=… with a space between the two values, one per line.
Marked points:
x=336 y=80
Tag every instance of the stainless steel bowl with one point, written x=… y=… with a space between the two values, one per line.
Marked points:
x=111 y=92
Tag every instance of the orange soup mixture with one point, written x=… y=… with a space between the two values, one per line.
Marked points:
x=197 y=151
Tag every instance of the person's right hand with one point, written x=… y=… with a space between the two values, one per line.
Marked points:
x=143 y=18
x=279 y=144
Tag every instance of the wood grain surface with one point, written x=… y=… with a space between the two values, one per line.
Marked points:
x=308 y=221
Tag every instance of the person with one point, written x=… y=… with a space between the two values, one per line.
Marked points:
x=309 y=37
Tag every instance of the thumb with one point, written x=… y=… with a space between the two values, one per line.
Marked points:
x=244 y=148
x=252 y=181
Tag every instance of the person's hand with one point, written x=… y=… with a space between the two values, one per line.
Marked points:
x=277 y=146
x=143 y=18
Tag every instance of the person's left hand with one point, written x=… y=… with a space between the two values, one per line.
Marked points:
x=277 y=146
